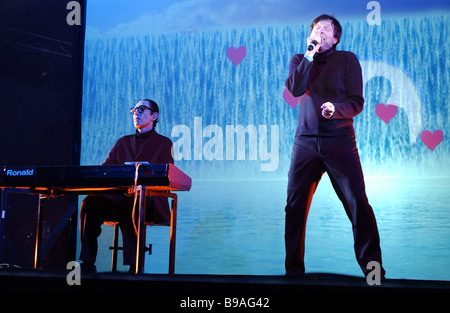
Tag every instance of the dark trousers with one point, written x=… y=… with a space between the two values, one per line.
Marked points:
x=96 y=209
x=338 y=156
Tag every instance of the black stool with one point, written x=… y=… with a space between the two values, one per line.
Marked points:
x=115 y=247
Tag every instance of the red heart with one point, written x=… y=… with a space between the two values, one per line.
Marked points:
x=291 y=100
x=386 y=112
x=432 y=139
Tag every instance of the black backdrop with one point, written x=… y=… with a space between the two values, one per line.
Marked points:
x=41 y=70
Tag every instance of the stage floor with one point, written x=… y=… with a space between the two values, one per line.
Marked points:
x=38 y=281
x=216 y=293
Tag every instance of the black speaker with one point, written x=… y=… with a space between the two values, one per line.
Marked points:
x=25 y=216
x=18 y=226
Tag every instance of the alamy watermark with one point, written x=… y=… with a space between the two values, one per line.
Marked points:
x=374 y=276
x=374 y=16
x=236 y=142
x=74 y=16
x=74 y=276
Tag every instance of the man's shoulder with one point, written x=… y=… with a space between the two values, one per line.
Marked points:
x=346 y=55
x=163 y=138
x=154 y=136
x=160 y=138
x=125 y=138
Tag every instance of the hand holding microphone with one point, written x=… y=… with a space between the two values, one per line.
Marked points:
x=313 y=44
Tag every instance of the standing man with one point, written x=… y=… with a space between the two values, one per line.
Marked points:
x=329 y=84
x=145 y=145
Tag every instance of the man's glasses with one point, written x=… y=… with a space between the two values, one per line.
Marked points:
x=140 y=109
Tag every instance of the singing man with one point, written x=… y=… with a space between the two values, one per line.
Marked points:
x=329 y=85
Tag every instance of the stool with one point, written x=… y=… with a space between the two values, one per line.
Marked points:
x=115 y=247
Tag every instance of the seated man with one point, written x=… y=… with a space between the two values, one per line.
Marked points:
x=144 y=145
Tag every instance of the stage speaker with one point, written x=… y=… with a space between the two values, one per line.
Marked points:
x=18 y=229
x=19 y=225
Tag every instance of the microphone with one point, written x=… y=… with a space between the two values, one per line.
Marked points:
x=312 y=45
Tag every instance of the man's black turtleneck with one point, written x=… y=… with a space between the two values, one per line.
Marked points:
x=333 y=76
x=149 y=146
x=139 y=147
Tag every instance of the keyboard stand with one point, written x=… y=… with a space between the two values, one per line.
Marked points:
x=141 y=192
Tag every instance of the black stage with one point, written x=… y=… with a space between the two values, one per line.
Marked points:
x=218 y=293
x=39 y=281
